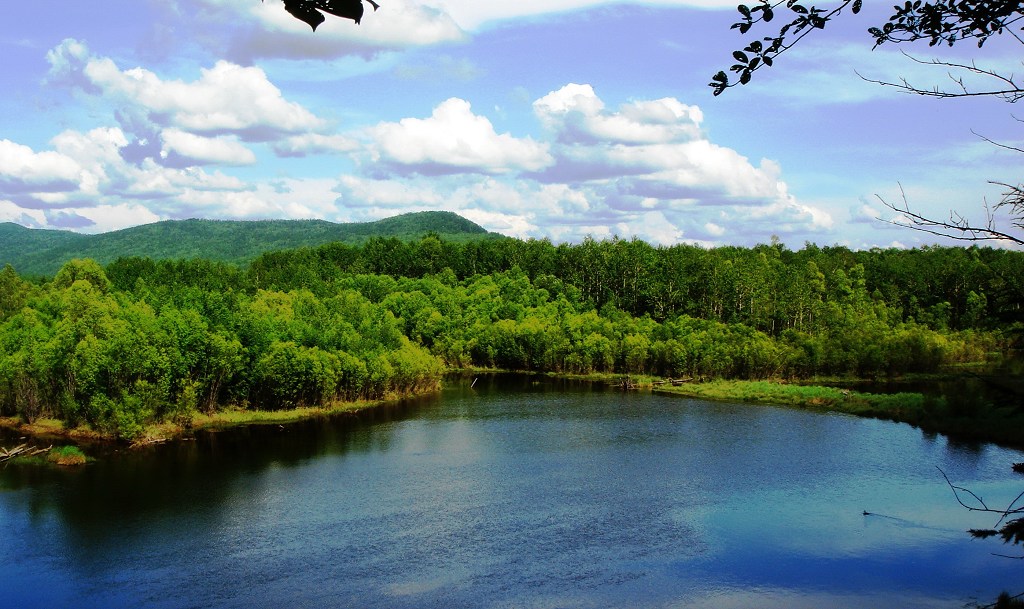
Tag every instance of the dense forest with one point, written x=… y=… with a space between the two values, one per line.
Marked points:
x=144 y=340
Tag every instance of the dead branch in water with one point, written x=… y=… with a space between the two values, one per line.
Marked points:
x=22 y=450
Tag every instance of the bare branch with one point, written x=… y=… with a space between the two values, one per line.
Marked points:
x=1010 y=90
x=998 y=144
x=1009 y=531
x=956 y=493
x=957 y=226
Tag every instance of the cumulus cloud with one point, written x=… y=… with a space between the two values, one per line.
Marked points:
x=204 y=121
x=84 y=183
x=226 y=98
x=452 y=140
x=577 y=116
x=183 y=123
x=187 y=149
x=12 y=212
x=24 y=170
x=645 y=168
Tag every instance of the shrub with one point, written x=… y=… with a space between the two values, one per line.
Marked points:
x=66 y=455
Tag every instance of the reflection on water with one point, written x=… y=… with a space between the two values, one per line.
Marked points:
x=516 y=493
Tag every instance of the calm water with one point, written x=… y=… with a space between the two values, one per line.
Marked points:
x=516 y=494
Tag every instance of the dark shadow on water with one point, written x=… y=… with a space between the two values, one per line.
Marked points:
x=126 y=483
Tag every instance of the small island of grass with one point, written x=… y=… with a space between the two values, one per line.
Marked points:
x=66 y=455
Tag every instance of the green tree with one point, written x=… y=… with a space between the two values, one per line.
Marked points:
x=13 y=292
x=85 y=270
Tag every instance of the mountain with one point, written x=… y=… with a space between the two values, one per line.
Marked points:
x=42 y=252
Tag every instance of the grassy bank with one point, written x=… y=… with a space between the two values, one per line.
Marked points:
x=982 y=421
x=163 y=431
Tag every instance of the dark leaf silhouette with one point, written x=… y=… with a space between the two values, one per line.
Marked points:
x=982 y=533
x=312 y=11
x=1013 y=531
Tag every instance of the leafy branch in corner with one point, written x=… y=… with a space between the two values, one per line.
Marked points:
x=938 y=22
x=762 y=53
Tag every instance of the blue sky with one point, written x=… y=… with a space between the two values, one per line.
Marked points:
x=556 y=119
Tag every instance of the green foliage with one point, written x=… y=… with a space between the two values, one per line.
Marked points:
x=82 y=270
x=66 y=455
x=145 y=341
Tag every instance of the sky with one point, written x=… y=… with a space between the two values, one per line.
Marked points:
x=560 y=119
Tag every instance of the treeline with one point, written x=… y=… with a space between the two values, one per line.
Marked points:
x=82 y=351
x=767 y=287
x=142 y=341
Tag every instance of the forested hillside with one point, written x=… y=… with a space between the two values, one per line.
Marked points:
x=42 y=252
x=141 y=340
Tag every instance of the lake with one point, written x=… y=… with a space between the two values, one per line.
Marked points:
x=518 y=492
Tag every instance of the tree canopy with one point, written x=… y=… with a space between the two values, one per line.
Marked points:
x=143 y=341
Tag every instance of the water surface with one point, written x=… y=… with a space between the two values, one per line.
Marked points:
x=517 y=493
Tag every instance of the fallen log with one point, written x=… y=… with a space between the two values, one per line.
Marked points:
x=22 y=450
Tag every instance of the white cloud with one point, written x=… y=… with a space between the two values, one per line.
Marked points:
x=24 y=170
x=645 y=169
x=511 y=224
x=106 y=218
x=198 y=122
x=190 y=149
x=226 y=98
x=454 y=139
x=12 y=212
x=577 y=115
x=713 y=229
x=178 y=124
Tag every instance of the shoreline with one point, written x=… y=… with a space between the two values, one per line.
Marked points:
x=931 y=414
x=156 y=433
x=998 y=425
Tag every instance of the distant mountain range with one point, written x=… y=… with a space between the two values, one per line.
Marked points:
x=43 y=252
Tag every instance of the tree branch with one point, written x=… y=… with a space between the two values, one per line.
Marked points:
x=957 y=227
x=1012 y=92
